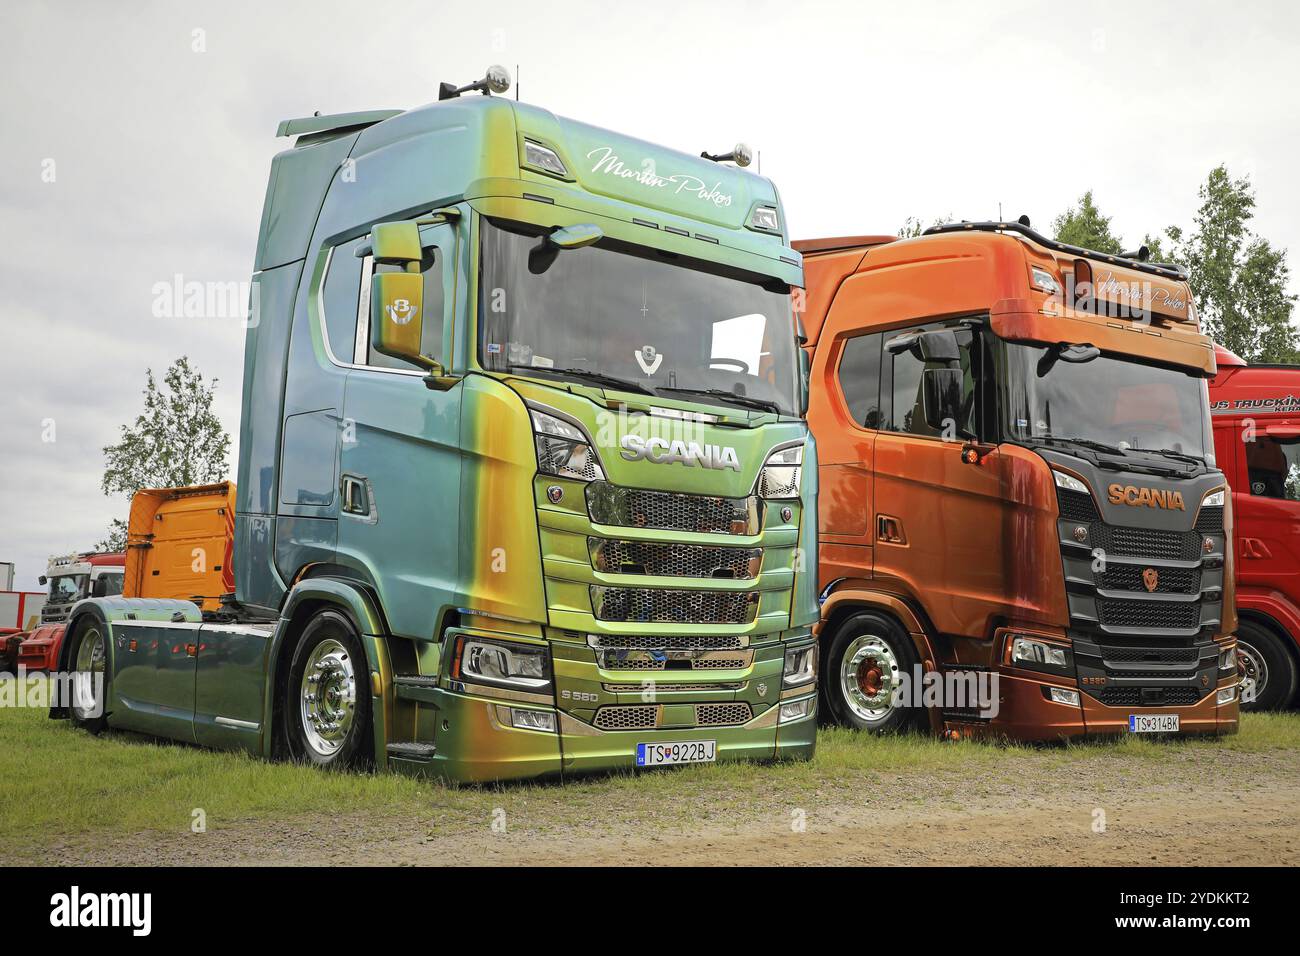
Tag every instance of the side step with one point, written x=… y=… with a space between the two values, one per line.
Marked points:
x=416 y=687
x=412 y=751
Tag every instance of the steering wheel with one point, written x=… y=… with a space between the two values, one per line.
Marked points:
x=739 y=365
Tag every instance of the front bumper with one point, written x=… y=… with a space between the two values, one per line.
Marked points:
x=1026 y=712
x=475 y=745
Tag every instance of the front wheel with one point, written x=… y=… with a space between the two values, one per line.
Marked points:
x=867 y=659
x=1268 y=671
x=90 y=676
x=327 y=696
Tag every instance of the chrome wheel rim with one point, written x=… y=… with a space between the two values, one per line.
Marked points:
x=868 y=677
x=1254 y=672
x=328 y=697
x=88 y=679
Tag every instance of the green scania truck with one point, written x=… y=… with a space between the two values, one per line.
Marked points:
x=524 y=485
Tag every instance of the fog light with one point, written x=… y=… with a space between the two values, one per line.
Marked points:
x=1226 y=695
x=532 y=720
x=793 y=710
x=1060 y=695
x=1036 y=652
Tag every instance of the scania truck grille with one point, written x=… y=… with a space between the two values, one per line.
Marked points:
x=1121 y=613
x=673 y=560
x=673 y=606
x=609 y=504
x=1210 y=520
x=650 y=716
x=668 y=642
x=1147 y=696
x=1147 y=542
x=1128 y=577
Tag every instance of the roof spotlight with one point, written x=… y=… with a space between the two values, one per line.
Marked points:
x=742 y=154
x=497 y=80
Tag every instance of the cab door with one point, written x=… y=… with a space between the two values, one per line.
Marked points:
x=1267 y=505
x=938 y=521
x=399 y=458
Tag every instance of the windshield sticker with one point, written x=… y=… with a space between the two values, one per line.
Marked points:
x=607 y=161
x=648 y=359
x=494 y=348
x=541 y=361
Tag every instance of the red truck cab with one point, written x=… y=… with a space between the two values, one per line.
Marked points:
x=1256 y=414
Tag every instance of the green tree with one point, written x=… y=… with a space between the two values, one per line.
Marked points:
x=1238 y=278
x=1086 y=227
x=176 y=441
x=913 y=226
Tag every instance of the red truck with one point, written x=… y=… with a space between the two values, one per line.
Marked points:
x=68 y=579
x=19 y=613
x=1256 y=415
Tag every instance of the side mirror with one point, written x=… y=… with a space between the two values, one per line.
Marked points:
x=42 y=580
x=397 y=298
x=396 y=316
x=941 y=397
x=940 y=346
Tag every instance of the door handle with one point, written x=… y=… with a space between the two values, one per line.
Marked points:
x=889 y=529
x=356 y=501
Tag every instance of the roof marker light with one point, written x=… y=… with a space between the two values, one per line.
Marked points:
x=543 y=158
x=764 y=218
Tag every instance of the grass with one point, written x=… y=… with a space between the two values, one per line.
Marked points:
x=56 y=780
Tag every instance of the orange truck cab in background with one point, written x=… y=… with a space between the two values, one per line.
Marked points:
x=1016 y=478
x=179 y=544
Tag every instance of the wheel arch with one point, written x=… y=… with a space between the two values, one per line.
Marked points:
x=843 y=603
x=307 y=598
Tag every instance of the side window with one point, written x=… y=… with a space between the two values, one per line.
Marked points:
x=434 y=307
x=339 y=300
x=906 y=410
x=859 y=378
x=1274 y=468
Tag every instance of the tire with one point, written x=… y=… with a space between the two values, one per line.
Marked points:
x=865 y=658
x=88 y=662
x=326 y=702
x=1268 y=680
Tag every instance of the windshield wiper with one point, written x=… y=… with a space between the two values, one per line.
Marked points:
x=1170 y=453
x=598 y=378
x=1086 y=443
x=761 y=404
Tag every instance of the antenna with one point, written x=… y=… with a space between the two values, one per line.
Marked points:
x=516 y=82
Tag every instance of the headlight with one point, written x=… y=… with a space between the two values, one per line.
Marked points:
x=1069 y=482
x=1228 y=659
x=780 y=475
x=800 y=665
x=1213 y=500
x=563 y=450
x=793 y=710
x=544 y=158
x=517 y=665
x=1024 y=650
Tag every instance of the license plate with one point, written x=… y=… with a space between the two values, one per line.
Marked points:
x=1153 y=723
x=663 y=755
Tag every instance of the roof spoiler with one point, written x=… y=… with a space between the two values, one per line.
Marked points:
x=307 y=125
x=1163 y=269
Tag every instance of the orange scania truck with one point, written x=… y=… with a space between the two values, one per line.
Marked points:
x=1018 y=489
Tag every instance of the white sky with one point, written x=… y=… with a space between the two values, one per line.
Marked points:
x=864 y=113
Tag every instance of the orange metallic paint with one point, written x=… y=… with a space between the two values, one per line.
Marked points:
x=982 y=553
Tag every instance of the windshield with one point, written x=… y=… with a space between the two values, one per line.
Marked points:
x=65 y=588
x=630 y=316
x=1111 y=401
